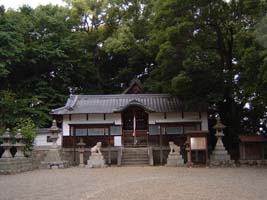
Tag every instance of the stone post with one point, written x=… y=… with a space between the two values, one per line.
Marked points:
x=188 y=150
x=19 y=145
x=6 y=144
x=81 y=146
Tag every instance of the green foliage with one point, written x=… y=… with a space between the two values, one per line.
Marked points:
x=210 y=52
x=28 y=130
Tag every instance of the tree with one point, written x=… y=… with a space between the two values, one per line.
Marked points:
x=198 y=46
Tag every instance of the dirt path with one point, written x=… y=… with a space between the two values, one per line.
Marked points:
x=136 y=183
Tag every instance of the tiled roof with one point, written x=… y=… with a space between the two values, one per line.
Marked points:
x=77 y=104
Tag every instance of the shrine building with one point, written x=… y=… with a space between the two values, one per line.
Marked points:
x=130 y=120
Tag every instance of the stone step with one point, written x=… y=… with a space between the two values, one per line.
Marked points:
x=134 y=153
x=134 y=163
x=135 y=156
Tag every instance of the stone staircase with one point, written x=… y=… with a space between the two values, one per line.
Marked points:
x=135 y=156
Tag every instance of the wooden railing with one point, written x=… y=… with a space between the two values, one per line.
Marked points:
x=71 y=141
x=143 y=139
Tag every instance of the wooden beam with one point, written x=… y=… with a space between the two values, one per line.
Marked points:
x=207 y=152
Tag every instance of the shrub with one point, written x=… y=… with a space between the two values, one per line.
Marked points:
x=28 y=130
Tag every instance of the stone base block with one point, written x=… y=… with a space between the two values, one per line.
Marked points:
x=222 y=163
x=175 y=160
x=53 y=160
x=220 y=157
x=15 y=165
x=251 y=163
x=96 y=161
x=55 y=165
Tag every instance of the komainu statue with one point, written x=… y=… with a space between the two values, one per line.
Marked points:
x=174 y=158
x=96 y=149
x=174 y=148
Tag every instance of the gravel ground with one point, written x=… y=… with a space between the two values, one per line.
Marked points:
x=137 y=183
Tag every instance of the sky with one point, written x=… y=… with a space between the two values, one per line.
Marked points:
x=33 y=3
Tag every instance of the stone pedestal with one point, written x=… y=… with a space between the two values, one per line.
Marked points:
x=96 y=160
x=220 y=156
x=53 y=160
x=15 y=165
x=175 y=159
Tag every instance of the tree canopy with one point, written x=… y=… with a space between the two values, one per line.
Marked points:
x=211 y=52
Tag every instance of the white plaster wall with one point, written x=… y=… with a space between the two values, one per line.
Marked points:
x=65 y=125
x=155 y=116
x=41 y=140
x=191 y=115
x=78 y=117
x=174 y=115
x=177 y=117
x=116 y=117
x=95 y=117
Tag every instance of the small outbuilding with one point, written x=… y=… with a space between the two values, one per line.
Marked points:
x=253 y=147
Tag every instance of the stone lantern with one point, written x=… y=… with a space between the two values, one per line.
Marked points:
x=6 y=144
x=54 y=130
x=219 y=155
x=18 y=163
x=52 y=159
x=81 y=146
x=19 y=144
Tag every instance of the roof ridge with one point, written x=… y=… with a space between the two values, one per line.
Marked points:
x=127 y=95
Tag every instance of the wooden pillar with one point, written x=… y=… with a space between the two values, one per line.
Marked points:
x=160 y=146
x=262 y=150
x=74 y=144
x=109 y=150
x=206 y=152
x=244 y=150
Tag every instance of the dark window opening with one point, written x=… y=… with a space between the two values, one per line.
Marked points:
x=48 y=139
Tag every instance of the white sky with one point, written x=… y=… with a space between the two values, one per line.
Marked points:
x=33 y=3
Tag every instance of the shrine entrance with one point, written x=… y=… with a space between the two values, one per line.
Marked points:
x=135 y=127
